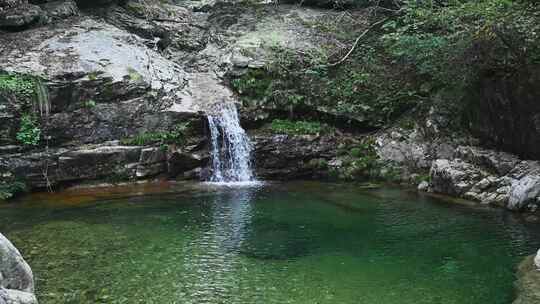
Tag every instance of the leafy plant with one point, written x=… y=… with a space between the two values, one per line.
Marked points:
x=90 y=104
x=17 y=84
x=299 y=127
x=10 y=189
x=175 y=136
x=29 y=131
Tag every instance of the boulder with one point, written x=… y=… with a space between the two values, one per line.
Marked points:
x=523 y=192
x=62 y=9
x=180 y=162
x=423 y=186
x=18 y=14
x=454 y=177
x=500 y=162
x=152 y=162
x=16 y=278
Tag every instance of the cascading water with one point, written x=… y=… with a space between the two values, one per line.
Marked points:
x=231 y=147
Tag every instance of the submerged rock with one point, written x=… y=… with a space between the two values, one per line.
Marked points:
x=16 y=278
x=528 y=282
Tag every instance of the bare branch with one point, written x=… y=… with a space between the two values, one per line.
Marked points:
x=364 y=33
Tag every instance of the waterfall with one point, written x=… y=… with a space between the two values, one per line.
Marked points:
x=231 y=147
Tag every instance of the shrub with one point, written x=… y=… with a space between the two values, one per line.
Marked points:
x=17 y=84
x=175 y=136
x=90 y=104
x=299 y=127
x=10 y=189
x=29 y=131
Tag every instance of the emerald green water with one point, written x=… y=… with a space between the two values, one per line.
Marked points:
x=280 y=243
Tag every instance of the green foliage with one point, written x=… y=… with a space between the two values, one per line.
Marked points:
x=360 y=89
x=17 y=84
x=364 y=156
x=29 y=131
x=299 y=127
x=256 y=84
x=93 y=76
x=10 y=189
x=90 y=104
x=449 y=44
x=175 y=136
x=134 y=75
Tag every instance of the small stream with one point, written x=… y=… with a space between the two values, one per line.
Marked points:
x=300 y=242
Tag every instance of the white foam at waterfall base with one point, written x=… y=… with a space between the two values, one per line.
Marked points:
x=231 y=149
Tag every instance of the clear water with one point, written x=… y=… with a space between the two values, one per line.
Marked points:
x=282 y=243
x=231 y=147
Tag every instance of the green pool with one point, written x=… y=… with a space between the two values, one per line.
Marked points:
x=302 y=242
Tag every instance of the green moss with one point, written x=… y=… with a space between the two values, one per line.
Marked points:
x=93 y=76
x=299 y=127
x=134 y=75
x=29 y=133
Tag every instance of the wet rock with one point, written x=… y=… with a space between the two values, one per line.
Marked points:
x=195 y=174
x=101 y=162
x=16 y=278
x=180 y=162
x=528 y=282
x=286 y=157
x=152 y=162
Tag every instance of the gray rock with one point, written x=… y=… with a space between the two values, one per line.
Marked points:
x=501 y=162
x=16 y=279
x=10 y=296
x=523 y=192
x=98 y=162
x=180 y=162
x=17 y=16
x=423 y=186
x=62 y=9
x=285 y=157
x=454 y=177
x=152 y=162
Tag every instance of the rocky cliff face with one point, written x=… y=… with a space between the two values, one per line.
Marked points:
x=117 y=90
x=505 y=113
